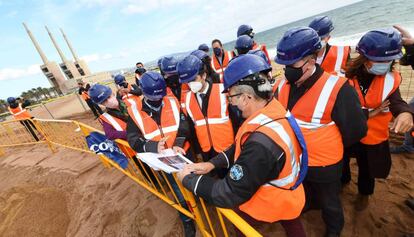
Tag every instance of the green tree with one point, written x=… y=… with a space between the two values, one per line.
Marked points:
x=35 y=94
x=3 y=106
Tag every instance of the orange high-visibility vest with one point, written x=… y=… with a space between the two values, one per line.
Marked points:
x=170 y=119
x=219 y=68
x=272 y=203
x=215 y=130
x=116 y=123
x=85 y=95
x=379 y=90
x=313 y=114
x=19 y=112
x=184 y=89
x=336 y=59
x=264 y=49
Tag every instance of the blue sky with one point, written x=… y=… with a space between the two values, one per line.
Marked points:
x=112 y=34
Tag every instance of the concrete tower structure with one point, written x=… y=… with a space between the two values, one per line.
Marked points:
x=79 y=63
x=68 y=67
x=50 y=69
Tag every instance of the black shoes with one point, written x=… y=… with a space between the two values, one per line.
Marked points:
x=189 y=229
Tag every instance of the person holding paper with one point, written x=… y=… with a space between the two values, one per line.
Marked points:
x=155 y=124
x=208 y=110
x=264 y=184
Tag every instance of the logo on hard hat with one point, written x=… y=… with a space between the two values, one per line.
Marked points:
x=392 y=51
x=101 y=94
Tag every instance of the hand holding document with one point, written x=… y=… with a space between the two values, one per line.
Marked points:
x=168 y=160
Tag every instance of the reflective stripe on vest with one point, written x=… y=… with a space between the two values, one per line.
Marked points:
x=215 y=64
x=215 y=129
x=313 y=114
x=137 y=117
x=336 y=59
x=201 y=121
x=271 y=203
x=323 y=99
x=278 y=128
x=19 y=112
x=116 y=123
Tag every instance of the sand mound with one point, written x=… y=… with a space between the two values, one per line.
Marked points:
x=19 y=205
x=72 y=194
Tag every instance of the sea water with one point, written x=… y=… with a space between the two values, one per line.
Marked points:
x=350 y=22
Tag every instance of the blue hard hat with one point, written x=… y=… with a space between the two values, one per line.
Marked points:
x=260 y=53
x=242 y=67
x=245 y=30
x=11 y=100
x=381 y=45
x=99 y=93
x=296 y=44
x=119 y=79
x=159 y=63
x=169 y=65
x=322 y=25
x=200 y=54
x=189 y=68
x=203 y=47
x=153 y=86
x=244 y=42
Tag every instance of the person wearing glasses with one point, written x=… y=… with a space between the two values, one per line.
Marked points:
x=267 y=161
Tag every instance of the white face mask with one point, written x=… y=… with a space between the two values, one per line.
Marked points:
x=111 y=102
x=379 y=68
x=195 y=86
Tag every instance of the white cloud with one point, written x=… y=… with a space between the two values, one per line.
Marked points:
x=12 y=73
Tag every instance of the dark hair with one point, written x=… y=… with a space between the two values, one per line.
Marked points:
x=355 y=67
x=139 y=63
x=217 y=41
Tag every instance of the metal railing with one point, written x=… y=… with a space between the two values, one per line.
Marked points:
x=211 y=221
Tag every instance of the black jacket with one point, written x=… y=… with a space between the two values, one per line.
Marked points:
x=347 y=113
x=260 y=161
x=137 y=140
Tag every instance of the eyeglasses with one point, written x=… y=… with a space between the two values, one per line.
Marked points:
x=231 y=96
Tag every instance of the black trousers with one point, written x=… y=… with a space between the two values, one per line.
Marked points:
x=374 y=161
x=30 y=127
x=96 y=110
x=322 y=187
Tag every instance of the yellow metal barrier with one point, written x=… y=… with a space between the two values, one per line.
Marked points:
x=71 y=134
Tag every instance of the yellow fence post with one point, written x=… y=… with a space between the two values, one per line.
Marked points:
x=42 y=132
x=58 y=135
x=197 y=214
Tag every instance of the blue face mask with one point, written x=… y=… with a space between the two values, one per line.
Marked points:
x=379 y=68
x=217 y=51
